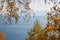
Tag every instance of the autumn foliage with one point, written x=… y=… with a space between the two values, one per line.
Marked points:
x=52 y=29
x=2 y=36
x=48 y=33
x=14 y=9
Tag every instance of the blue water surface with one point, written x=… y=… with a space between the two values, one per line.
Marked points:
x=19 y=31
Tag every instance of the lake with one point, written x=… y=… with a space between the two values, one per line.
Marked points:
x=19 y=31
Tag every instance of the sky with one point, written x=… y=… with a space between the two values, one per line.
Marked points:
x=39 y=5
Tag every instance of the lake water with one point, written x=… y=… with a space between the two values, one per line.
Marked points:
x=19 y=31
